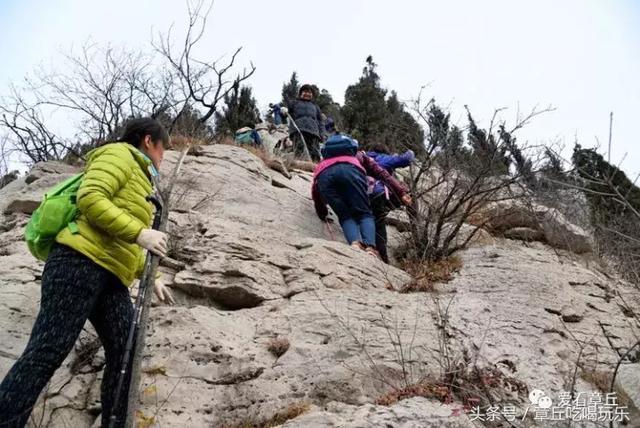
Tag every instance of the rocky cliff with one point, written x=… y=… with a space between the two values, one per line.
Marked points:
x=277 y=321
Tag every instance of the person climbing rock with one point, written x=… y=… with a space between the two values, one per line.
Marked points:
x=308 y=120
x=330 y=126
x=340 y=180
x=382 y=200
x=276 y=112
x=89 y=270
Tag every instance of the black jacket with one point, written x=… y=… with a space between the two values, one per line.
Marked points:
x=307 y=116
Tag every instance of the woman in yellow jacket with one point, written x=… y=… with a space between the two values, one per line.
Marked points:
x=90 y=268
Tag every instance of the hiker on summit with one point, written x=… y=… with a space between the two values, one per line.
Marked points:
x=308 y=120
x=89 y=269
x=341 y=181
x=382 y=200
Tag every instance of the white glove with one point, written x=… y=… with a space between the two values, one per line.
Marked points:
x=163 y=292
x=154 y=241
x=284 y=110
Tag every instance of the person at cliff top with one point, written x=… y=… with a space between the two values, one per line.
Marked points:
x=89 y=270
x=383 y=201
x=340 y=180
x=330 y=126
x=308 y=119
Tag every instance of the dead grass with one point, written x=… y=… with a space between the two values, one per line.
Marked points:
x=426 y=390
x=598 y=378
x=278 y=346
x=179 y=142
x=469 y=385
x=292 y=411
x=425 y=274
x=261 y=154
x=302 y=165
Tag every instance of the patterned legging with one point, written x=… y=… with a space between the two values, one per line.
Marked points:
x=74 y=289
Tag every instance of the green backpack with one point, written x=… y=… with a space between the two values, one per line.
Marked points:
x=56 y=211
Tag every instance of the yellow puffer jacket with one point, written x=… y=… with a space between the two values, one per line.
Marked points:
x=113 y=210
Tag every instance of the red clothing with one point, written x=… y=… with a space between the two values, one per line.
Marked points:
x=338 y=159
x=367 y=165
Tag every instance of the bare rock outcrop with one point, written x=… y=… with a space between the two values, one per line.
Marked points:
x=530 y=221
x=250 y=264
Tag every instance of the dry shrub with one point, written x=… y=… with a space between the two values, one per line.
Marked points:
x=424 y=389
x=479 y=218
x=225 y=139
x=282 y=165
x=179 y=142
x=144 y=421
x=278 y=346
x=260 y=153
x=425 y=273
x=598 y=378
x=469 y=385
x=292 y=411
x=302 y=165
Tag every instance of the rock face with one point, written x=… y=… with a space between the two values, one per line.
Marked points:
x=518 y=220
x=628 y=386
x=24 y=195
x=251 y=265
x=272 y=136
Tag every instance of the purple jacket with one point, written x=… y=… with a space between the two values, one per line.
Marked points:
x=371 y=169
x=390 y=163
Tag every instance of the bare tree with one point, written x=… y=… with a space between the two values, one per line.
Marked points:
x=6 y=176
x=204 y=83
x=5 y=153
x=26 y=130
x=106 y=86
x=103 y=86
x=451 y=194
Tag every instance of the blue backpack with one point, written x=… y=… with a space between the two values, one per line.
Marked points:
x=339 y=145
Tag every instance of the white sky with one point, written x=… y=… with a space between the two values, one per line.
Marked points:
x=581 y=56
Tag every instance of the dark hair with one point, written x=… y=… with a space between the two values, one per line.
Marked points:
x=380 y=148
x=306 y=87
x=136 y=129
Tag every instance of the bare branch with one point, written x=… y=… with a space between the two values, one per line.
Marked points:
x=204 y=83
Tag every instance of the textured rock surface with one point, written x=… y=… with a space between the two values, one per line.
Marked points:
x=628 y=386
x=250 y=263
x=410 y=413
x=549 y=223
x=272 y=135
x=524 y=234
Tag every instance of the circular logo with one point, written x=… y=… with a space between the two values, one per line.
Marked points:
x=545 y=402
x=536 y=395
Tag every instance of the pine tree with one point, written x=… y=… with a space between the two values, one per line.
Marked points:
x=552 y=166
x=613 y=198
x=486 y=150
x=365 y=107
x=445 y=140
x=524 y=166
x=373 y=118
x=186 y=123
x=239 y=110
x=290 y=89
x=329 y=107
x=601 y=178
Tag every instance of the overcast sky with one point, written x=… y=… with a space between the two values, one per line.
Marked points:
x=581 y=56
